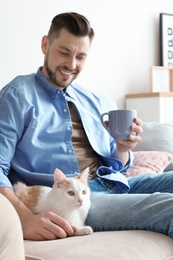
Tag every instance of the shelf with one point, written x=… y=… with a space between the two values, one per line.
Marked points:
x=150 y=94
x=152 y=106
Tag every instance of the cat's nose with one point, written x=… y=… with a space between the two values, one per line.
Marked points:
x=80 y=201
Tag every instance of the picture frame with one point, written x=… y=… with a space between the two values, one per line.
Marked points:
x=166 y=40
x=161 y=79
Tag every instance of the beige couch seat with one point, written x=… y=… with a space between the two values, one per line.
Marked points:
x=114 y=245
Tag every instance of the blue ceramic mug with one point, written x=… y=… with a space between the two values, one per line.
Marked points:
x=119 y=123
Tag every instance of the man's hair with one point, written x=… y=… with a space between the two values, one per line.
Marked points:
x=74 y=23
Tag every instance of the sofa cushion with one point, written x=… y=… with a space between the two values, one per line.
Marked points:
x=157 y=137
x=111 y=245
x=149 y=162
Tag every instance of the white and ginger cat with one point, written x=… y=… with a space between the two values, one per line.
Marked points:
x=69 y=198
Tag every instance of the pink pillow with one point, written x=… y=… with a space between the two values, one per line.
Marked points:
x=149 y=162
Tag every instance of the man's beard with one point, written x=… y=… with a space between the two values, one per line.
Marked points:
x=52 y=77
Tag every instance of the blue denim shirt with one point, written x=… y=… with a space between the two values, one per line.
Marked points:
x=36 y=130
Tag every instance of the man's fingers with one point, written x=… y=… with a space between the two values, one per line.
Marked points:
x=47 y=226
x=59 y=226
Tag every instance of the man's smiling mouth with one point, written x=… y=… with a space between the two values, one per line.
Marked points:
x=68 y=73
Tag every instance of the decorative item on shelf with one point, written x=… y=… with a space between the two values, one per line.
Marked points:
x=166 y=40
x=161 y=79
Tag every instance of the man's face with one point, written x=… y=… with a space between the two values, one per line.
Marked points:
x=64 y=58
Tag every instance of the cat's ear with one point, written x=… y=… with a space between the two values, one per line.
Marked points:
x=59 y=176
x=84 y=175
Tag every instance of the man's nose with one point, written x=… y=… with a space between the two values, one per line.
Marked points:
x=71 y=63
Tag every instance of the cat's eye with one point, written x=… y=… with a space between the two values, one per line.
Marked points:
x=84 y=192
x=71 y=193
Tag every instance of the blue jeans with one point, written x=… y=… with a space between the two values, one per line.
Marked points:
x=148 y=206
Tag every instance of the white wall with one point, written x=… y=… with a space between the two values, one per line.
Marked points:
x=125 y=46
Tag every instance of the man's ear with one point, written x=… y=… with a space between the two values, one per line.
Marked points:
x=44 y=44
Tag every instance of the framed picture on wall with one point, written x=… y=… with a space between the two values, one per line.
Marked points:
x=166 y=40
x=161 y=79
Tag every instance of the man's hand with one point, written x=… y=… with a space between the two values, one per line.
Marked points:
x=46 y=226
x=124 y=146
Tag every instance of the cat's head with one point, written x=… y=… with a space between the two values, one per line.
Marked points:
x=74 y=191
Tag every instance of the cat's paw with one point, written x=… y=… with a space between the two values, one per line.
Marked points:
x=83 y=231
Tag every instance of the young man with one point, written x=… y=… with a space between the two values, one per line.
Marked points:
x=48 y=122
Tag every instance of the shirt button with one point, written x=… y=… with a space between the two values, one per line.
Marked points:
x=68 y=128
x=65 y=110
x=70 y=150
x=58 y=92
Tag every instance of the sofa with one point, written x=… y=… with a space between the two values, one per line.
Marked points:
x=153 y=154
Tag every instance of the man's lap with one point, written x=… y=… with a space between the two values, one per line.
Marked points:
x=152 y=212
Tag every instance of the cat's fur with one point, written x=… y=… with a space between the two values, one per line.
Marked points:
x=69 y=198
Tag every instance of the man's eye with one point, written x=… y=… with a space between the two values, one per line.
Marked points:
x=81 y=58
x=63 y=53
